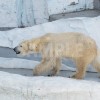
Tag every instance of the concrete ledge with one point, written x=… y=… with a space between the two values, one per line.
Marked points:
x=97 y=4
x=17 y=87
x=85 y=13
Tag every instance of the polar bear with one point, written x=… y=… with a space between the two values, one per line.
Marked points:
x=53 y=47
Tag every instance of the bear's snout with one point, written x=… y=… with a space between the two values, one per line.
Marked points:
x=16 y=50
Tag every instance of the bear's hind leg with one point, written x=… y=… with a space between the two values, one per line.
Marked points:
x=81 y=69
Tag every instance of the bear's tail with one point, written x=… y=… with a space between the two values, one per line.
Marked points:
x=96 y=62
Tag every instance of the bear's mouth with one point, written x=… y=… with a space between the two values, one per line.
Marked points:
x=18 y=52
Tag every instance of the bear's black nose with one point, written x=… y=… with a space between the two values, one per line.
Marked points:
x=14 y=49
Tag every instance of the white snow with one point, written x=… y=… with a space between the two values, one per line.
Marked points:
x=12 y=38
x=86 y=25
x=30 y=64
x=23 y=63
x=17 y=87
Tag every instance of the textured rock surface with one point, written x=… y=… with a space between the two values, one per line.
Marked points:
x=8 y=15
x=65 y=6
x=20 y=13
x=17 y=13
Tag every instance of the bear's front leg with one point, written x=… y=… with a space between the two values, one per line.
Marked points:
x=56 y=67
x=38 y=69
x=42 y=67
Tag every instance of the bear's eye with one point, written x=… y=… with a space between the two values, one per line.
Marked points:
x=20 y=45
x=35 y=46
